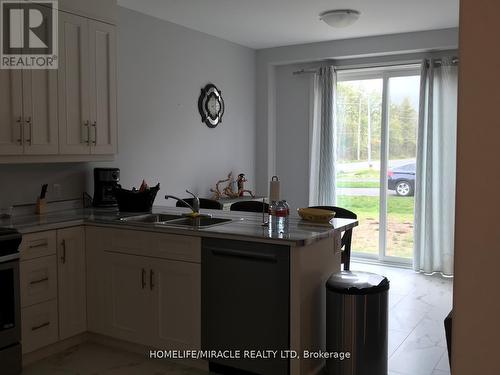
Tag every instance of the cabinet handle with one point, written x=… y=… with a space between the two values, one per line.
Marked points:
x=63 y=256
x=143 y=278
x=151 y=279
x=94 y=138
x=87 y=138
x=21 y=130
x=34 y=282
x=43 y=244
x=46 y=324
x=30 y=126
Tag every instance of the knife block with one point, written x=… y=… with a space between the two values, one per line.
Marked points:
x=41 y=206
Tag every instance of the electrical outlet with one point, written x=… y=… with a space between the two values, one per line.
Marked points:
x=56 y=189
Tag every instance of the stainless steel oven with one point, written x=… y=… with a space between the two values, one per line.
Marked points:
x=10 y=310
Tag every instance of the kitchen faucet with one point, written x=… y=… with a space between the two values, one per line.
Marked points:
x=195 y=208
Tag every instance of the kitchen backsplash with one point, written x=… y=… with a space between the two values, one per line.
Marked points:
x=20 y=184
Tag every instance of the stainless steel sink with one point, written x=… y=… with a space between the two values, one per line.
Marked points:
x=175 y=220
x=151 y=218
x=198 y=222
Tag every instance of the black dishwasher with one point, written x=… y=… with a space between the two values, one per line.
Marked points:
x=246 y=304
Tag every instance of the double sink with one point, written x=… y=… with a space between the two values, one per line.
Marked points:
x=175 y=220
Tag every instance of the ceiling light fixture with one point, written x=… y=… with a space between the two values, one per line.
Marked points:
x=339 y=17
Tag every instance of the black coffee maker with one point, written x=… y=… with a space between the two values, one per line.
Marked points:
x=105 y=180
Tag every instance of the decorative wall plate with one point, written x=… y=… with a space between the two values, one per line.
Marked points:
x=211 y=105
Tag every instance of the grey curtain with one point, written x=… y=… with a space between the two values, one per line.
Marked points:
x=436 y=168
x=322 y=143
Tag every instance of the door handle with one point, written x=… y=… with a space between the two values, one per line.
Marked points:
x=30 y=130
x=86 y=127
x=19 y=121
x=143 y=279
x=151 y=279
x=63 y=255
x=94 y=138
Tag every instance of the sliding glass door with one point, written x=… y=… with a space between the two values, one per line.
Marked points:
x=377 y=115
x=359 y=129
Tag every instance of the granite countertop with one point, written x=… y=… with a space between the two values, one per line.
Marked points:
x=244 y=225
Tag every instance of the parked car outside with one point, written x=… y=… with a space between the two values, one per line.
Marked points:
x=402 y=179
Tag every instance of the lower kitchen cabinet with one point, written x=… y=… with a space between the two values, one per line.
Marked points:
x=71 y=272
x=150 y=300
x=39 y=325
x=153 y=302
x=127 y=303
x=52 y=287
x=177 y=304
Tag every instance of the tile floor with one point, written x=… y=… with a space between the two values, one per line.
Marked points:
x=417 y=345
x=418 y=305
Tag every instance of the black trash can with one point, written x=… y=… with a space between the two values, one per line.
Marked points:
x=357 y=323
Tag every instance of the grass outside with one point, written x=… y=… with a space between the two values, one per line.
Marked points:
x=364 y=178
x=358 y=184
x=368 y=174
x=399 y=224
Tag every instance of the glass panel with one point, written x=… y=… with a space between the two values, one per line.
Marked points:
x=359 y=114
x=403 y=125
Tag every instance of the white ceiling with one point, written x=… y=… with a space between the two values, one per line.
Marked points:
x=271 y=23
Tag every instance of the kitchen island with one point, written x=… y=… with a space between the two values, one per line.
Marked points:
x=236 y=285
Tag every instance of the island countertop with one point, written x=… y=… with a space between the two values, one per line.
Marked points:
x=243 y=225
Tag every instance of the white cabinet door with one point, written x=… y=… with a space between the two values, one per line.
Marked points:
x=40 y=112
x=72 y=282
x=176 y=304
x=102 y=51
x=129 y=299
x=11 y=112
x=73 y=85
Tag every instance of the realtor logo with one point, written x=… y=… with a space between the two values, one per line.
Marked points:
x=28 y=34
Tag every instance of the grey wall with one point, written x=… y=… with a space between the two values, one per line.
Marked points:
x=292 y=129
x=271 y=92
x=161 y=69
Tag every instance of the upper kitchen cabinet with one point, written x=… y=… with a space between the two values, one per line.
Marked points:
x=87 y=86
x=11 y=112
x=40 y=133
x=68 y=114
x=28 y=114
x=73 y=83
x=102 y=55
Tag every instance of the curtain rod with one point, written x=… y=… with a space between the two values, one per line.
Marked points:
x=304 y=71
x=439 y=61
x=454 y=60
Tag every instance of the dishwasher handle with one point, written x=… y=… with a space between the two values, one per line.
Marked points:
x=243 y=254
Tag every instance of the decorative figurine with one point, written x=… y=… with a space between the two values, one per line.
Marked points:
x=241 y=186
x=228 y=191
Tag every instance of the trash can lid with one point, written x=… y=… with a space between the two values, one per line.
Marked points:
x=357 y=282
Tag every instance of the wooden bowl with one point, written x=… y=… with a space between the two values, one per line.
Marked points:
x=316 y=215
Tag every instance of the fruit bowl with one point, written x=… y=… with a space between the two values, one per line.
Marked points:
x=316 y=215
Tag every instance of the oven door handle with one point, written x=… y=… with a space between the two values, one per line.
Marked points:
x=8 y=258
